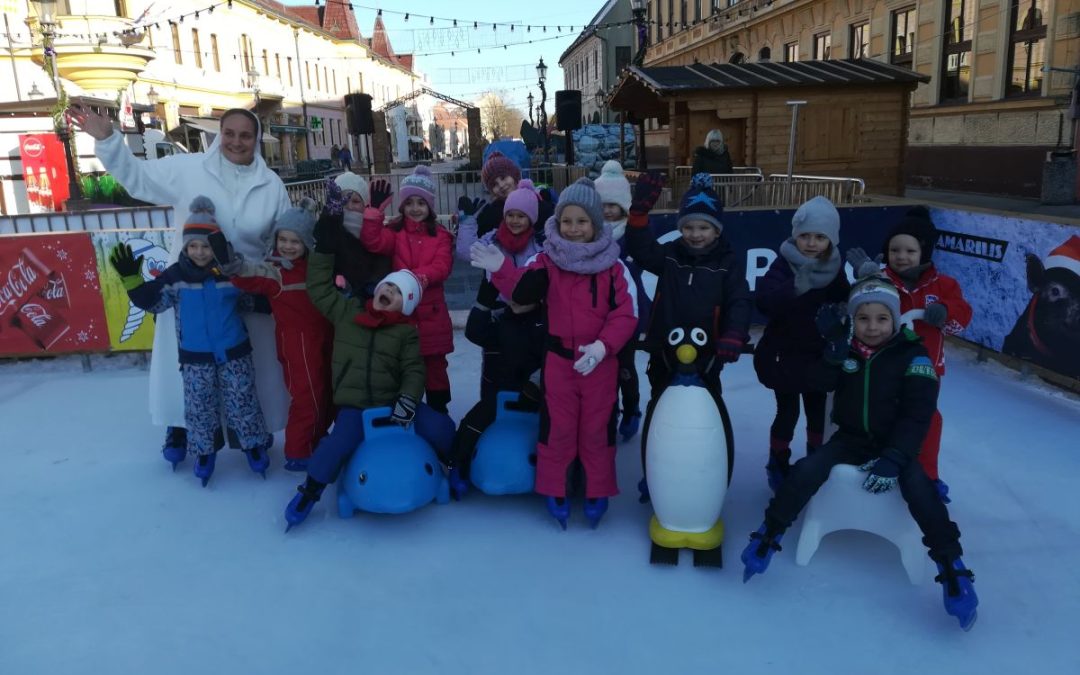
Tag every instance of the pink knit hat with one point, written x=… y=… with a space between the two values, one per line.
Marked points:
x=419 y=184
x=497 y=166
x=525 y=199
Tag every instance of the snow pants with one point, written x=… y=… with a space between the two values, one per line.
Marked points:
x=787 y=416
x=940 y=535
x=577 y=420
x=206 y=387
x=628 y=379
x=335 y=449
x=436 y=381
x=305 y=362
x=931 y=446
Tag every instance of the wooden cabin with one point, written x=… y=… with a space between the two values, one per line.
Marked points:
x=854 y=123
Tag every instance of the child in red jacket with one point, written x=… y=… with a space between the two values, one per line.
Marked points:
x=591 y=314
x=303 y=335
x=415 y=241
x=907 y=252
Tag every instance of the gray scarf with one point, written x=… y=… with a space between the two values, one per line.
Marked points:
x=822 y=272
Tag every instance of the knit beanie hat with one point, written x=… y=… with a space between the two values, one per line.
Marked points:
x=200 y=222
x=409 y=286
x=701 y=203
x=353 y=182
x=420 y=183
x=613 y=186
x=582 y=193
x=497 y=166
x=876 y=288
x=714 y=135
x=524 y=199
x=819 y=216
x=1066 y=256
x=916 y=223
x=300 y=220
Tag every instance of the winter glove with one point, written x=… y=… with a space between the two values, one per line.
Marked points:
x=326 y=235
x=404 y=410
x=469 y=207
x=486 y=257
x=730 y=345
x=834 y=325
x=802 y=278
x=487 y=297
x=127 y=266
x=861 y=263
x=335 y=200
x=593 y=354
x=883 y=477
x=381 y=193
x=936 y=314
x=646 y=192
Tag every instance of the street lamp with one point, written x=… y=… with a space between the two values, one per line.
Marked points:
x=638 y=7
x=46 y=11
x=529 y=98
x=541 y=74
x=35 y=93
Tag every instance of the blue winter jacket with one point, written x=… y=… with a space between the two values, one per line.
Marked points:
x=209 y=328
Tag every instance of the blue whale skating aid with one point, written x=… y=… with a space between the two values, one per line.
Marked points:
x=393 y=470
x=505 y=461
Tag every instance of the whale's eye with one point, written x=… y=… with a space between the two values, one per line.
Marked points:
x=362 y=477
x=430 y=470
x=698 y=336
x=675 y=336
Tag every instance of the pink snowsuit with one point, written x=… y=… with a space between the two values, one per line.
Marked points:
x=582 y=307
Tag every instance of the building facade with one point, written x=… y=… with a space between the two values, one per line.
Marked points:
x=593 y=62
x=992 y=101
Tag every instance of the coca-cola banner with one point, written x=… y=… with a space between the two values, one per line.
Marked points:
x=44 y=172
x=50 y=300
x=130 y=328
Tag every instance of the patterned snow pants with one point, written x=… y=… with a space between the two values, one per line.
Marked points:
x=206 y=387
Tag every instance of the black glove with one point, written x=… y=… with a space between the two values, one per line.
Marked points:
x=884 y=474
x=936 y=314
x=124 y=261
x=381 y=192
x=833 y=323
x=646 y=192
x=488 y=295
x=326 y=234
x=404 y=410
x=470 y=206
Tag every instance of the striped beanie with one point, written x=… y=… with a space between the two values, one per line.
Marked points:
x=200 y=222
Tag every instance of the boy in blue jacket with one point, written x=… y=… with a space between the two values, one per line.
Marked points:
x=215 y=353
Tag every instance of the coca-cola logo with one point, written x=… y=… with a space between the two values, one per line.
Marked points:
x=17 y=284
x=55 y=290
x=38 y=315
x=33 y=147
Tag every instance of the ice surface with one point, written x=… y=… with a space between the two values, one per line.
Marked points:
x=113 y=564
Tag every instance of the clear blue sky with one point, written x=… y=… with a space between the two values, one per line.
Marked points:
x=467 y=74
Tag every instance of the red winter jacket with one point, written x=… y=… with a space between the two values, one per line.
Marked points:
x=932 y=287
x=430 y=258
x=581 y=308
x=288 y=297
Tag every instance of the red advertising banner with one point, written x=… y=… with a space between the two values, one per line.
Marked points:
x=50 y=295
x=44 y=171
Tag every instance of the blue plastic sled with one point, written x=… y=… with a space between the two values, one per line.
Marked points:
x=392 y=471
x=505 y=461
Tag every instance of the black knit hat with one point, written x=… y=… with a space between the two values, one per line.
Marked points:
x=915 y=223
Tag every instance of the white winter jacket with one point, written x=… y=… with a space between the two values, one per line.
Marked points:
x=248 y=201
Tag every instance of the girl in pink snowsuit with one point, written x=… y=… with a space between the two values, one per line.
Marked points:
x=591 y=315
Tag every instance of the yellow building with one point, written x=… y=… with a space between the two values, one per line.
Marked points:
x=992 y=110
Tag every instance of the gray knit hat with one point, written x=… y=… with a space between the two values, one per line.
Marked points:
x=820 y=216
x=582 y=193
x=876 y=288
x=200 y=223
x=299 y=219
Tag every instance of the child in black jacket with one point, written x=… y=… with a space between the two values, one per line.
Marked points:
x=886 y=393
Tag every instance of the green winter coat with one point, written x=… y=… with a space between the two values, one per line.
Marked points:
x=371 y=367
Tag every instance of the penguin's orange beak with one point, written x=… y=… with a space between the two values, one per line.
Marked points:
x=686 y=354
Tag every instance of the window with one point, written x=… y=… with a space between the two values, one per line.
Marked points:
x=1027 y=48
x=764 y=55
x=860 y=41
x=214 y=52
x=622 y=58
x=245 y=54
x=277 y=66
x=956 y=61
x=326 y=80
x=307 y=71
x=266 y=63
x=596 y=65
x=697 y=11
x=903 y=32
x=791 y=52
x=334 y=73
x=288 y=66
x=822 y=46
x=177 y=55
x=318 y=82
x=195 y=47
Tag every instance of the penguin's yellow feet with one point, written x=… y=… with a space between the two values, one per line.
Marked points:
x=699 y=541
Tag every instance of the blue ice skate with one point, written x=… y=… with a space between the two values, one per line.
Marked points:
x=459 y=486
x=628 y=426
x=175 y=449
x=643 y=490
x=204 y=467
x=958 y=592
x=595 y=510
x=559 y=508
x=303 y=501
x=759 y=552
x=943 y=491
x=296 y=465
x=258 y=458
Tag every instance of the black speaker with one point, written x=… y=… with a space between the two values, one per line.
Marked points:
x=568 y=110
x=358 y=114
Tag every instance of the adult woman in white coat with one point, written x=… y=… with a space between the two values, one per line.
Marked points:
x=248 y=197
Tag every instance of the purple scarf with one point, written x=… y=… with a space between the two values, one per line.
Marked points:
x=587 y=258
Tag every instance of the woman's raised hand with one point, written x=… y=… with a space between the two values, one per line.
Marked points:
x=85 y=119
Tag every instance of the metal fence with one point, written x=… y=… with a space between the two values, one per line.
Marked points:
x=748 y=187
x=125 y=218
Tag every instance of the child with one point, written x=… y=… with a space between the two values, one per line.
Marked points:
x=591 y=316
x=886 y=392
x=346 y=199
x=415 y=241
x=304 y=336
x=808 y=273
x=500 y=176
x=614 y=192
x=215 y=353
x=511 y=334
x=907 y=250
x=376 y=362
x=700 y=283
